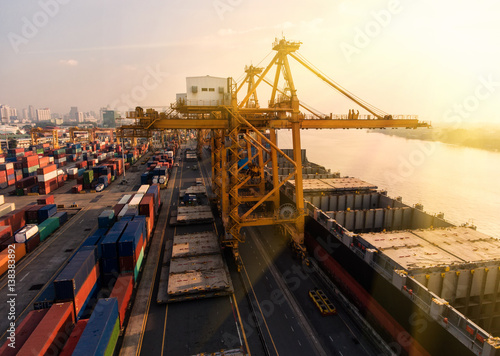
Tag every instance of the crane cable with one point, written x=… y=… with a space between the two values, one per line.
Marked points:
x=372 y=107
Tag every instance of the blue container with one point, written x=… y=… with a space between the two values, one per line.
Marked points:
x=80 y=172
x=131 y=237
x=46 y=298
x=110 y=265
x=97 y=334
x=144 y=178
x=142 y=220
x=127 y=218
x=63 y=217
x=46 y=212
x=94 y=240
x=70 y=280
x=109 y=243
x=107 y=218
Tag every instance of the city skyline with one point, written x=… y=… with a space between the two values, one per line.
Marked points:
x=435 y=60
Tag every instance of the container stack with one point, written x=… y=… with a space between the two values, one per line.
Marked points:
x=7 y=175
x=51 y=332
x=30 y=164
x=102 y=331
x=131 y=248
x=47 y=179
x=78 y=279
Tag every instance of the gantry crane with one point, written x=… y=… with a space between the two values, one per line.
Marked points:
x=245 y=130
x=36 y=133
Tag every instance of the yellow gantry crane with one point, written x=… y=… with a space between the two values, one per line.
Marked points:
x=241 y=131
x=37 y=132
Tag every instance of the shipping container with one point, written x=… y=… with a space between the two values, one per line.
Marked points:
x=7 y=208
x=46 y=211
x=49 y=336
x=69 y=281
x=19 y=250
x=100 y=335
x=130 y=238
x=73 y=339
x=106 y=219
x=26 y=233
x=109 y=243
x=48 y=199
x=23 y=332
x=122 y=291
x=62 y=216
x=32 y=243
x=47 y=227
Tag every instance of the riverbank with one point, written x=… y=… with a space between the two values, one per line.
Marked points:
x=484 y=138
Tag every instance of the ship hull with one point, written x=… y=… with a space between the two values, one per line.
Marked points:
x=392 y=313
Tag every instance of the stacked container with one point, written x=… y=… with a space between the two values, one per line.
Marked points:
x=47 y=179
x=131 y=247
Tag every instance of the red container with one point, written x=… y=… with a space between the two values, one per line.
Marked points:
x=73 y=339
x=51 y=334
x=32 y=243
x=26 y=182
x=32 y=213
x=23 y=331
x=16 y=219
x=47 y=169
x=146 y=206
x=123 y=292
x=126 y=263
x=29 y=161
x=86 y=288
x=76 y=188
x=117 y=208
x=49 y=199
x=5 y=232
x=43 y=162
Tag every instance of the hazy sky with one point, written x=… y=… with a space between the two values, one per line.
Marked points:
x=437 y=59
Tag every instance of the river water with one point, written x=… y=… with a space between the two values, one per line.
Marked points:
x=463 y=183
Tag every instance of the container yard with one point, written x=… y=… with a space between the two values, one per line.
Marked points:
x=191 y=232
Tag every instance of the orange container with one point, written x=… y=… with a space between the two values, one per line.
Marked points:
x=23 y=331
x=51 y=334
x=122 y=291
x=19 y=251
x=77 y=332
x=86 y=288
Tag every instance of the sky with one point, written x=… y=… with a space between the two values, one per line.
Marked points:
x=435 y=59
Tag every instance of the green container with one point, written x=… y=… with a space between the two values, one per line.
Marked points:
x=39 y=151
x=31 y=169
x=110 y=349
x=48 y=227
x=138 y=264
x=88 y=176
x=19 y=192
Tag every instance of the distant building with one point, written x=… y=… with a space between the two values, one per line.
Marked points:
x=25 y=114
x=7 y=113
x=73 y=114
x=205 y=91
x=79 y=117
x=31 y=113
x=43 y=114
x=109 y=118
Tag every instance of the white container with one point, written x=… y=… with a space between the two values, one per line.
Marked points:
x=2 y=199
x=26 y=233
x=125 y=199
x=7 y=208
x=122 y=212
x=47 y=177
x=136 y=200
x=143 y=189
x=9 y=165
x=60 y=172
x=51 y=159
x=72 y=171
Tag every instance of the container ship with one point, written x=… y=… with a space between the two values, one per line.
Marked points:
x=423 y=282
